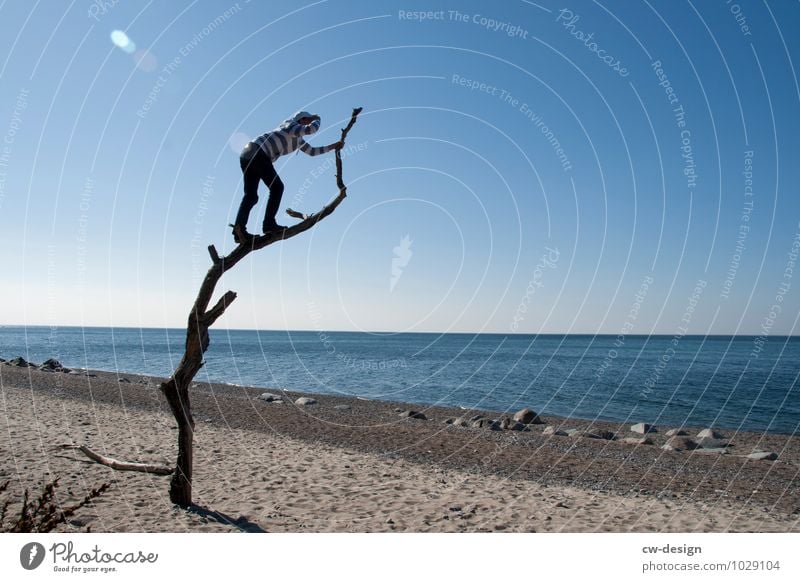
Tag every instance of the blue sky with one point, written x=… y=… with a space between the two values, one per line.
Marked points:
x=529 y=152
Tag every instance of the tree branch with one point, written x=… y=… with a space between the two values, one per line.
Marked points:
x=215 y=312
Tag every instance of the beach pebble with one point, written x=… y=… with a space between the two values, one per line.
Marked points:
x=413 y=414
x=305 y=401
x=676 y=432
x=715 y=451
x=710 y=433
x=679 y=443
x=580 y=432
x=527 y=416
x=53 y=365
x=763 y=456
x=551 y=430
x=709 y=443
x=342 y=407
x=643 y=428
x=267 y=397
x=637 y=441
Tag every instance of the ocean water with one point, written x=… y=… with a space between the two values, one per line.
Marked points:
x=733 y=382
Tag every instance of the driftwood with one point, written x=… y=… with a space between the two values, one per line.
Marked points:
x=121 y=465
x=201 y=317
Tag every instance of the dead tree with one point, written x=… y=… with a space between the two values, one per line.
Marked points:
x=201 y=317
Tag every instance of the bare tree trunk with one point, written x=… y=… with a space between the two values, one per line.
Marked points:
x=176 y=389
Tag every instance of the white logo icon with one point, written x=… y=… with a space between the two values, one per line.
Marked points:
x=402 y=255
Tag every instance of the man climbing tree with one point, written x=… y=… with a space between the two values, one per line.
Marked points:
x=257 y=159
x=202 y=316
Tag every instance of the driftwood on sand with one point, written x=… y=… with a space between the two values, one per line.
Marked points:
x=121 y=465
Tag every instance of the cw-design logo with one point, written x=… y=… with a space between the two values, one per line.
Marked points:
x=31 y=555
x=402 y=255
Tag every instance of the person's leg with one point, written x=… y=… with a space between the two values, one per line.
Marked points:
x=275 y=184
x=250 y=177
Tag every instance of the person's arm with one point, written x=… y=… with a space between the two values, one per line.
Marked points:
x=298 y=129
x=307 y=148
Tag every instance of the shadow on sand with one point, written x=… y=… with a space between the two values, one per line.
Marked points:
x=241 y=523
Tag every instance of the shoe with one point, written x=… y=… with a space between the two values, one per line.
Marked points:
x=270 y=227
x=240 y=234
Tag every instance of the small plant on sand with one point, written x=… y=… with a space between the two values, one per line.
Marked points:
x=42 y=514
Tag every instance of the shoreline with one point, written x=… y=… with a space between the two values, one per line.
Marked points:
x=756 y=495
x=221 y=385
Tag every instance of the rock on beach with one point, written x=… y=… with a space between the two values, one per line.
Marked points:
x=527 y=416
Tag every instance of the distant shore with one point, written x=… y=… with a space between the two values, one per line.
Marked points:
x=349 y=464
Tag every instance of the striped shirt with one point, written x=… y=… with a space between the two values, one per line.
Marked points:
x=288 y=138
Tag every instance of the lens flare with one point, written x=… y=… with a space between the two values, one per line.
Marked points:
x=121 y=40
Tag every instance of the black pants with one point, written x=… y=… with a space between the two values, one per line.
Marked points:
x=255 y=167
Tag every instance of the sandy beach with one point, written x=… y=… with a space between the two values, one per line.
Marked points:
x=346 y=464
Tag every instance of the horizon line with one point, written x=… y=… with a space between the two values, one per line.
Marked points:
x=375 y=332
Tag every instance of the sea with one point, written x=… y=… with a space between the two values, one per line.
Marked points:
x=734 y=382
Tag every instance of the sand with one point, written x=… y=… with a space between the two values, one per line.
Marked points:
x=284 y=468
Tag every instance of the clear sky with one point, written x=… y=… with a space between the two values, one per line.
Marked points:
x=575 y=167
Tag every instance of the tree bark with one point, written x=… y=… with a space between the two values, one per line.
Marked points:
x=176 y=389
